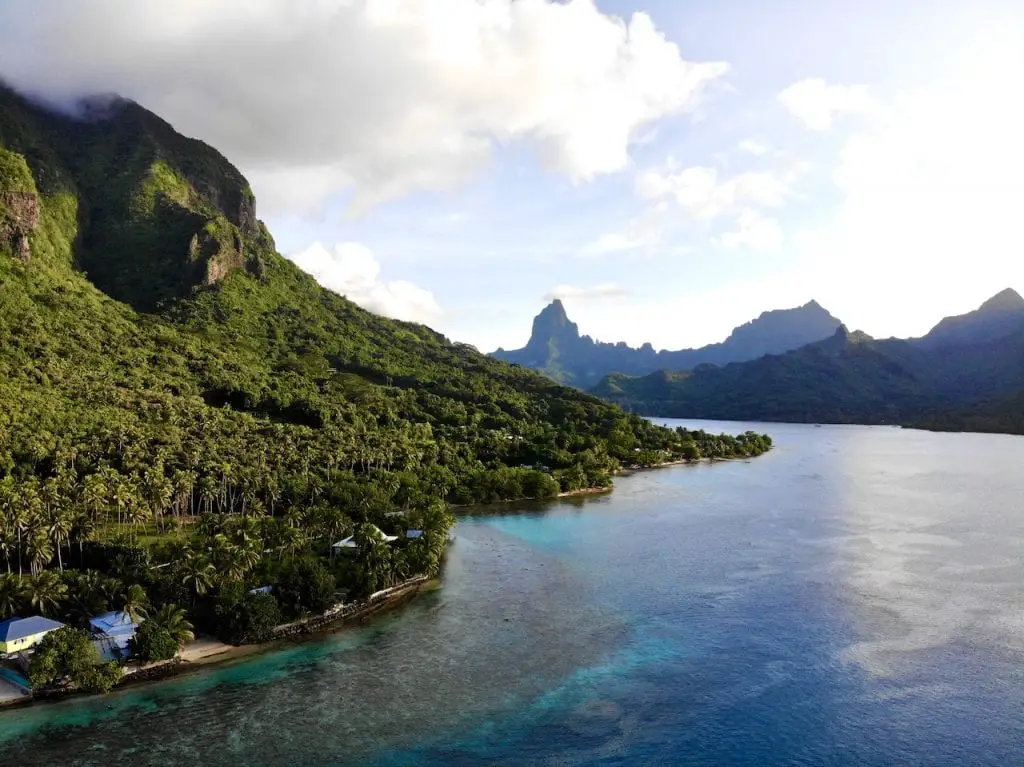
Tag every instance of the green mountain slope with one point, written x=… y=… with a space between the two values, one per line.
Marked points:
x=249 y=378
x=186 y=416
x=852 y=378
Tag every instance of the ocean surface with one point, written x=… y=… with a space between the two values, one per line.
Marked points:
x=854 y=597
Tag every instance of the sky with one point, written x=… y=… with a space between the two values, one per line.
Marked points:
x=668 y=168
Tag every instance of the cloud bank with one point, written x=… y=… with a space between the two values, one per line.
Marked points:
x=379 y=98
x=351 y=269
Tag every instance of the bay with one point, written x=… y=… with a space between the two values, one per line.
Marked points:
x=856 y=596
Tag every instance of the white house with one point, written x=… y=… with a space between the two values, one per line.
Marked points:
x=349 y=545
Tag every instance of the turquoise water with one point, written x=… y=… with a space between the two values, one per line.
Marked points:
x=854 y=597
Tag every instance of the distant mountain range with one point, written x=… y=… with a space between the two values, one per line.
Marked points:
x=966 y=373
x=557 y=349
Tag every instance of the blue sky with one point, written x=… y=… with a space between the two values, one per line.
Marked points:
x=867 y=155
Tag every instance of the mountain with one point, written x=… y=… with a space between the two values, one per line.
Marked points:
x=557 y=349
x=999 y=316
x=158 y=354
x=969 y=372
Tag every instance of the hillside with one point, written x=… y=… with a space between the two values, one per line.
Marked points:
x=949 y=379
x=557 y=349
x=184 y=411
x=238 y=349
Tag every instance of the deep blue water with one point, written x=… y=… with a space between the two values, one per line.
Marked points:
x=855 y=597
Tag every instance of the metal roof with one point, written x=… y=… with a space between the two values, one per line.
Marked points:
x=19 y=628
x=113 y=623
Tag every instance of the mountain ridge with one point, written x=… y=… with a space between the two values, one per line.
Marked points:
x=557 y=349
x=969 y=370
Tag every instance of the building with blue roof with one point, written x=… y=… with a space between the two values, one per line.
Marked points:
x=17 y=634
x=114 y=629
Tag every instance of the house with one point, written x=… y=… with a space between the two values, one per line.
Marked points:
x=349 y=545
x=19 y=634
x=113 y=630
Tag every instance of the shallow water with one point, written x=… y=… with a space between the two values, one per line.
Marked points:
x=853 y=597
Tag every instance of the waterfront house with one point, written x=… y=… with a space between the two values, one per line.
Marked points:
x=113 y=630
x=19 y=634
x=349 y=545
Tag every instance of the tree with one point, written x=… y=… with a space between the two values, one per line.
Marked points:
x=66 y=656
x=198 y=573
x=89 y=595
x=152 y=642
x=100 y=678
x=243 y=617
x=135 y=602
x=46 y=592
x=12 y=595
x=305 y=586
x=173 y=620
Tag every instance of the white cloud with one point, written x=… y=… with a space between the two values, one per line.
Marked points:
x=754 y=231
x=753 y=146
x=613 y=242
x=351 y=269
x=379 y=97
x=703 y=195
x=932 y=197
x=604 y=290
x=814 y=102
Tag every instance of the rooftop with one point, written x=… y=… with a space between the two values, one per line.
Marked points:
x=19 y=628
x=113 y=623
x=350 y=542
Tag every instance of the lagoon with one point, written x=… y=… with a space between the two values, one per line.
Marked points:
x=855 y=596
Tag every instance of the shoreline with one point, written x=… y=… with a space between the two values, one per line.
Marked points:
x=213 y=652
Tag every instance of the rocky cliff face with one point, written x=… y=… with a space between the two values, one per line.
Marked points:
x=19 y=217
x=150 y=215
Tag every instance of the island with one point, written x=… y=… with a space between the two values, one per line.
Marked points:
x=200 y=447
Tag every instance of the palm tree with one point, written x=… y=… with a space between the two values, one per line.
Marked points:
x=198 y=573
x=171 y=619
x=135 y=602
x=12 y=595
x=8 y=543
x=39 y=548
x=90 y=595
x=58 y=524
x=46 y=591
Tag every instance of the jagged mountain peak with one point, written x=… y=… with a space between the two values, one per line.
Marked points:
x=997 y=317
x=1008 y=300
x=555 y=311
x=557 y=348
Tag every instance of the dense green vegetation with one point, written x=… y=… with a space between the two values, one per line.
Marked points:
x=185 y=416
x=974 y=382
x=67 y=657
